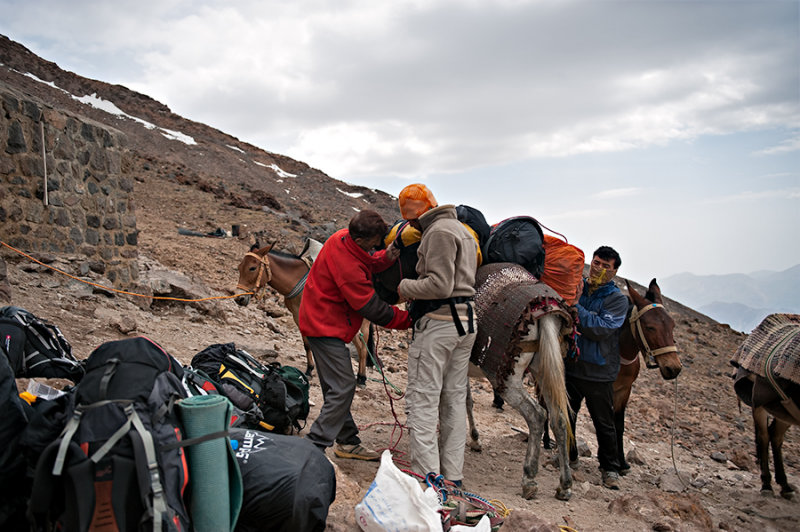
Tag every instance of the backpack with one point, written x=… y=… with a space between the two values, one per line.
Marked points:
x=296 y=383
x=474 y=218
x=119 y=463
x=271 y=397
x=519 y=240
x=197 y=382
x=35 y=347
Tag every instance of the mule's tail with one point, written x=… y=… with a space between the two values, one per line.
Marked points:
x=550 y=379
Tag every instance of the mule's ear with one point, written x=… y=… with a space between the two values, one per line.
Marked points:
x=254 y=247
x=272 y=246
x=653 y=292
x=635 y=296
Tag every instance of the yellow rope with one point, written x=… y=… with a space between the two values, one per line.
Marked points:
x=501 y=508
x=122 y=291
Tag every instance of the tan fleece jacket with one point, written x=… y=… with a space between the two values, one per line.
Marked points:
x=447 y=259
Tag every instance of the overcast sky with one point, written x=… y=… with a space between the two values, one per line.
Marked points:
x=669 y=130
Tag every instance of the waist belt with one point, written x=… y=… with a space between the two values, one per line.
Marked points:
x=421 y=307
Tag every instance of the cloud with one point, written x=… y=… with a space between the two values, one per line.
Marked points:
x=788 y=145
x=443 y=86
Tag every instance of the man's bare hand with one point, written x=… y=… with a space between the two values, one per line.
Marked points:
x=393 y=252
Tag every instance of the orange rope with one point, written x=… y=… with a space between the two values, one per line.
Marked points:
x=121 y=291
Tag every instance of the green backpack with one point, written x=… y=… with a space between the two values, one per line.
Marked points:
x=296 y=392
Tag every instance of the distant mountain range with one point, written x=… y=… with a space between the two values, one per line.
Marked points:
x=740 y=300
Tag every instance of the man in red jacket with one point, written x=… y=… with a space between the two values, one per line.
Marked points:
x=337 y=296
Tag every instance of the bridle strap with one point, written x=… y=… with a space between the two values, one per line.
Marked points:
x=263 y=268
x=636 y=328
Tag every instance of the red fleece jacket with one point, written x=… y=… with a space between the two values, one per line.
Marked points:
x=339 y=292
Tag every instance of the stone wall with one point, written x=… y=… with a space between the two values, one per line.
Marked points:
x=89 y=212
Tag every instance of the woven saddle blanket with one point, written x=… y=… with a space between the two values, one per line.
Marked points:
x=779 y=336
x=507 y=299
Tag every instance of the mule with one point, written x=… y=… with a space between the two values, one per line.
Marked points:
x=286 y=274
x=769 y=394
x=538 y=350
x=648 y=329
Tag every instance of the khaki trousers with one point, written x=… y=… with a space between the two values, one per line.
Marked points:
x=437 y=393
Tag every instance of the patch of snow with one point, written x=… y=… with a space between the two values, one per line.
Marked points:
x=276 y=169
x=52 y=84
x=235 y=148
x=350 y=194
x=177 y=135
x=104 y=105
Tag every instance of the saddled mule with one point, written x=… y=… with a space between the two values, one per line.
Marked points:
x=523 y=325
x=539 y=348
x=768 y=380
x=287 y=274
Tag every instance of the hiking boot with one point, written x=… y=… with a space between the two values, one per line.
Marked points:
x=625 y=469
x=611 y=480
x=356 y=452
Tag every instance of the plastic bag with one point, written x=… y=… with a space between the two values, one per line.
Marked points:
x=395 y=501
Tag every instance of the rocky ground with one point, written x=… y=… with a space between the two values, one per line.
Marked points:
x=692 y=444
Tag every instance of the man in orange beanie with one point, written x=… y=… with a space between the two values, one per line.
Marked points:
x=444 y=331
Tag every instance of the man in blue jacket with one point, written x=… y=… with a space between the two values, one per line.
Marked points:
x=601 y=312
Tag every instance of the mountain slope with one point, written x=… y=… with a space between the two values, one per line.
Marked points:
x=190 y=153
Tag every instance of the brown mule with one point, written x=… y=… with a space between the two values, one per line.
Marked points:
x=286 y=274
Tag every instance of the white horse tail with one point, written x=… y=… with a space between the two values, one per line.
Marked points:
x=549 y=367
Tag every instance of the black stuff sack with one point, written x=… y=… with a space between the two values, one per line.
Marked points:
x=35 y=347
x=119 y=463
x=288 y=483
x=519 y=240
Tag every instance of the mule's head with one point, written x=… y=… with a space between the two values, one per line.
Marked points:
x=652 y=331
x=253 y=273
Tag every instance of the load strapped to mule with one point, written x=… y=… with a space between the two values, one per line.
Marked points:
x=509 y=300
x=518 y=240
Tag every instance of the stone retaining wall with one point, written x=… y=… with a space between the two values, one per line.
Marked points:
x=89 y=211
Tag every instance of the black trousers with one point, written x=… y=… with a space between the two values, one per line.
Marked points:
x=599 y=398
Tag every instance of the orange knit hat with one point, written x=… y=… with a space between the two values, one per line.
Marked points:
x=414 y=200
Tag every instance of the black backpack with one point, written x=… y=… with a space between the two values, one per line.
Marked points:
x=119 y=463
x=519 y=240
x=475 y=219
x=271 y=397
x=35 y=347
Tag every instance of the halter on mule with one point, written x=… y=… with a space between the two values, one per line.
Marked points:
x=648 y=353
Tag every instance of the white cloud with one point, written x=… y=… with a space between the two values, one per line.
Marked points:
x=788 y=145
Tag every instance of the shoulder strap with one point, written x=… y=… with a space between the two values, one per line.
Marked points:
x=145 y=452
